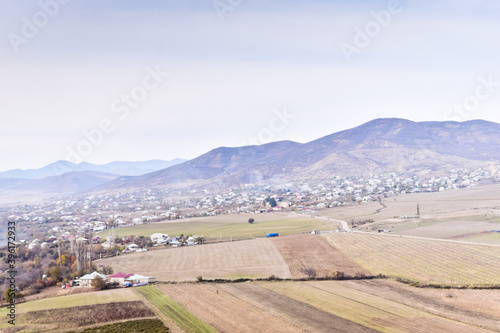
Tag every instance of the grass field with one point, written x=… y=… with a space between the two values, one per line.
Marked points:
x=427 y=261
x=182 y=317
x=231 y=260
x=367 y=310
x=226 y=226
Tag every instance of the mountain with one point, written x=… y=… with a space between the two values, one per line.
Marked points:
x=71 y=182
x=381 y=145
x=119 y=168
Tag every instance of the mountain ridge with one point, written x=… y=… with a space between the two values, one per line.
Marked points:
x=380 y=145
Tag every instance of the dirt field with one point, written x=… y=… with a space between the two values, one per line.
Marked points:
x=225 y=312
x=368 y=310
x=428 y=261
x=475 y=307
x=448 y=204
x=250 y=258
x=451 y=229
x=313 y=251
x=249 y=307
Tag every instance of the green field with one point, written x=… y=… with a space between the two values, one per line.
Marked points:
x=182 y=317
x=235 y=226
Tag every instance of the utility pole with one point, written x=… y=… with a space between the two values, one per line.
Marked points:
x=418 y=210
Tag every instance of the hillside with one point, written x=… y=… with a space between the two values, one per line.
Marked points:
x=381 y=145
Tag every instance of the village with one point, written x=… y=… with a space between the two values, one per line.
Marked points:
x=76 y=217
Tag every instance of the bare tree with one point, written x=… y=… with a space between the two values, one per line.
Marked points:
x=311 y=272
x=80 y=253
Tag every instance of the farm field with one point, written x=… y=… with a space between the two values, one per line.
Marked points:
x=445 y=229
x=453 y=203
x=477 y=307
x=248 y=307
x=371 y=311
x=231 y=260
x=427 y=261
x=89 y=298
x=484 y=237
x=303 y=252
x=226 y=226
x=78 y=317
x=182 y=317
x=133 y=326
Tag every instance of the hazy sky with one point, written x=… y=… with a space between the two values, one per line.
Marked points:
x=239 y=72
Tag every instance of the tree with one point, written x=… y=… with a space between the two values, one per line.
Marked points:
x=98 y=283
x=251 y=220
x=311 y=272
x=56 y=273
x=107 y=270
x=9 y=295
x=272 y=201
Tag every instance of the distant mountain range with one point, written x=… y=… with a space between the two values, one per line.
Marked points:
x=381 y=145
x=118 y=168
x=65 y=177
x=378 y=146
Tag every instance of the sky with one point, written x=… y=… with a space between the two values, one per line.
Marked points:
x=102 y=81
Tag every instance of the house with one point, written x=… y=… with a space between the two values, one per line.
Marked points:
x=33 y=244
x=137 y=221
x=137 y=279
x=119 y=278
x=131 y=248
x=121 y=223
x=86 y=280
x=175 y=243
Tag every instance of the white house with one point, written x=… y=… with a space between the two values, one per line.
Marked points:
x=86 y=280
x=137 y=278
x=131 y=248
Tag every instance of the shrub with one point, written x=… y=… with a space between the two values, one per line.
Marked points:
x=338 y=275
